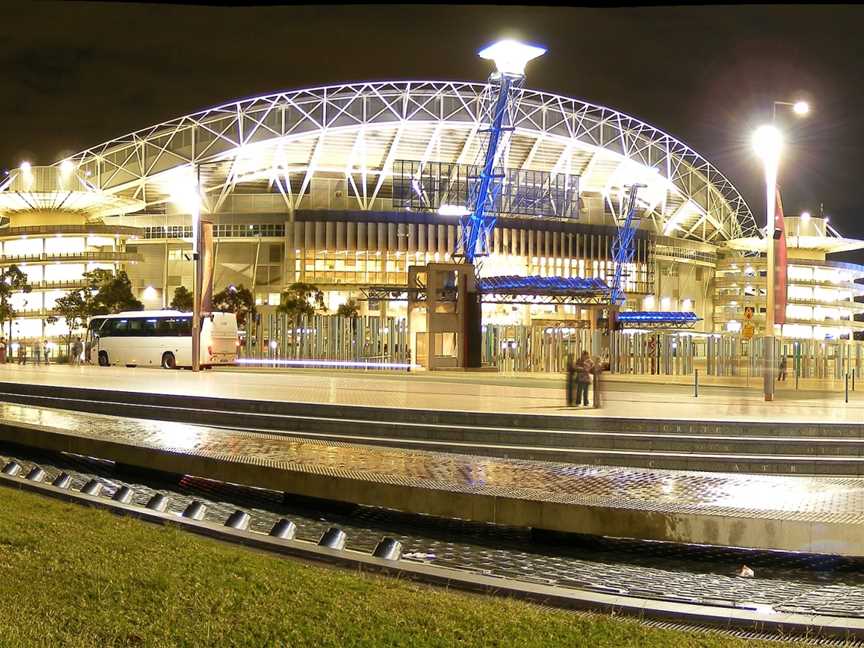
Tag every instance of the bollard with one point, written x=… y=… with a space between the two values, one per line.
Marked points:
x=123 y=495
x=158 y=503
x=388 y=549
x=12 y=468
x=284 y=529
x=333 y=538
x=696 y=384
x=847 y=386
x=63 y=480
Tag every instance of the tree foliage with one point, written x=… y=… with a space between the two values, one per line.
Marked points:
x=349 y=309
x=104 y=293
x=301 y=300
x=110 y=293
x=183 y=299
x=73 y=307
x=12 y=280
x=237 y=300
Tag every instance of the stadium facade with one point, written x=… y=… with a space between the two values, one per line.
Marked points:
x=349 y=186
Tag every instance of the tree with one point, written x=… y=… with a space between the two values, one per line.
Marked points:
x=110 y=293
x=237 y=300
x=183 y=299
x=301 y=300
x=349 y=309
x=74 y=307
x=12 y=280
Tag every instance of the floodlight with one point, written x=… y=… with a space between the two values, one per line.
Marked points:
x=805 y=216
x=767 y=142
x=25 y=167
x=801 y=107
x=511 y=56
x=66 y=167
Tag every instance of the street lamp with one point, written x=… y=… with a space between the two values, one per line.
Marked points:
x=768 y=144
x=186 y=193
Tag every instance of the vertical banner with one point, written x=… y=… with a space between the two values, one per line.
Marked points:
x=779 y=263
x=207 y=266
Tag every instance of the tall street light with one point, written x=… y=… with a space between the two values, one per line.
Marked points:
x=768 y=144
x=187 y=193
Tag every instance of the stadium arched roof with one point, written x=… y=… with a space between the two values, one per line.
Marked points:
x=359 y=130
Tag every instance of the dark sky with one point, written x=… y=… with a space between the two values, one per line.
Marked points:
x=76 y=74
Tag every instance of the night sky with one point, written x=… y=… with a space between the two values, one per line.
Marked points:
x=77 y=74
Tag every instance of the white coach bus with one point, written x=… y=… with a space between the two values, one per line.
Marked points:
x=161 y=339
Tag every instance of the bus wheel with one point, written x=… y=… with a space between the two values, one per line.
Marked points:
x=103 y=358
x=168 y=361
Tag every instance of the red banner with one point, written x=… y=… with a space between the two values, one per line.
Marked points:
x=779 y=264
x=207 y=265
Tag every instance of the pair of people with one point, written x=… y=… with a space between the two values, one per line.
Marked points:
x=581 y=375
x=40 y=350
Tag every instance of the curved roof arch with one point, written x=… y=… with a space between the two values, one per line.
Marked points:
x=359 y=130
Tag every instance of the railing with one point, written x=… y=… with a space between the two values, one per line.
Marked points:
x=227 y=230
x=51 y=230
x=71 y=256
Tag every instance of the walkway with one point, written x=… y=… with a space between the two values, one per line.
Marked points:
x=482 y=392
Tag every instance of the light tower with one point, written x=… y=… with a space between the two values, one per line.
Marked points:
x=505 y=85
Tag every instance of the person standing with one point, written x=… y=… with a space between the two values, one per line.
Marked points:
x=597 y=372
x=2 y=350
x=22 y=353
x=46 y=350
x=583 y=378
x=76 y=352
x=782 y=369
x=571 y=376
x=37 y=352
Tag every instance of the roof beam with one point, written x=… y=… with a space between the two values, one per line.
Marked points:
x=310 y=168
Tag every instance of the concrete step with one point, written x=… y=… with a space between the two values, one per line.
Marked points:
x=681 y=445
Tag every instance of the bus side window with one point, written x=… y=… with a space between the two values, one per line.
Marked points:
x=166 y=327
x=136 y=327
x=150 y=327
x=185 y=326
x=115 y=328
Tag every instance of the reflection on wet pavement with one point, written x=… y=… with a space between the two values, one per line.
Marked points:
x=805 y=498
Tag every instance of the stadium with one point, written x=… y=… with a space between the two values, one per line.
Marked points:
x=348 y=186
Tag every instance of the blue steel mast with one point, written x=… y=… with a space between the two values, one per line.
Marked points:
x=510 y=58
x=622 y=247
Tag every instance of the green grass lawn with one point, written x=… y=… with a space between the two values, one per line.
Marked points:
x=73 y=576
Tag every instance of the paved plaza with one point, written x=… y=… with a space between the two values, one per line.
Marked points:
x=816 y=514
x=479 y=392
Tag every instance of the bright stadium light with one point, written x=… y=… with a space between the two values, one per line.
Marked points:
x=66 y=167
x=768 y=142
x=801 y=107
x=25 y=167
x=805 y=216
x=511 y=56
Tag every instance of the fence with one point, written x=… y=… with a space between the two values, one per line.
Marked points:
x=536 y=348
x=370 y=342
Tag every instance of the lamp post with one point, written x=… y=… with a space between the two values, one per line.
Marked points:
x=188 y=195
x=768 y=143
